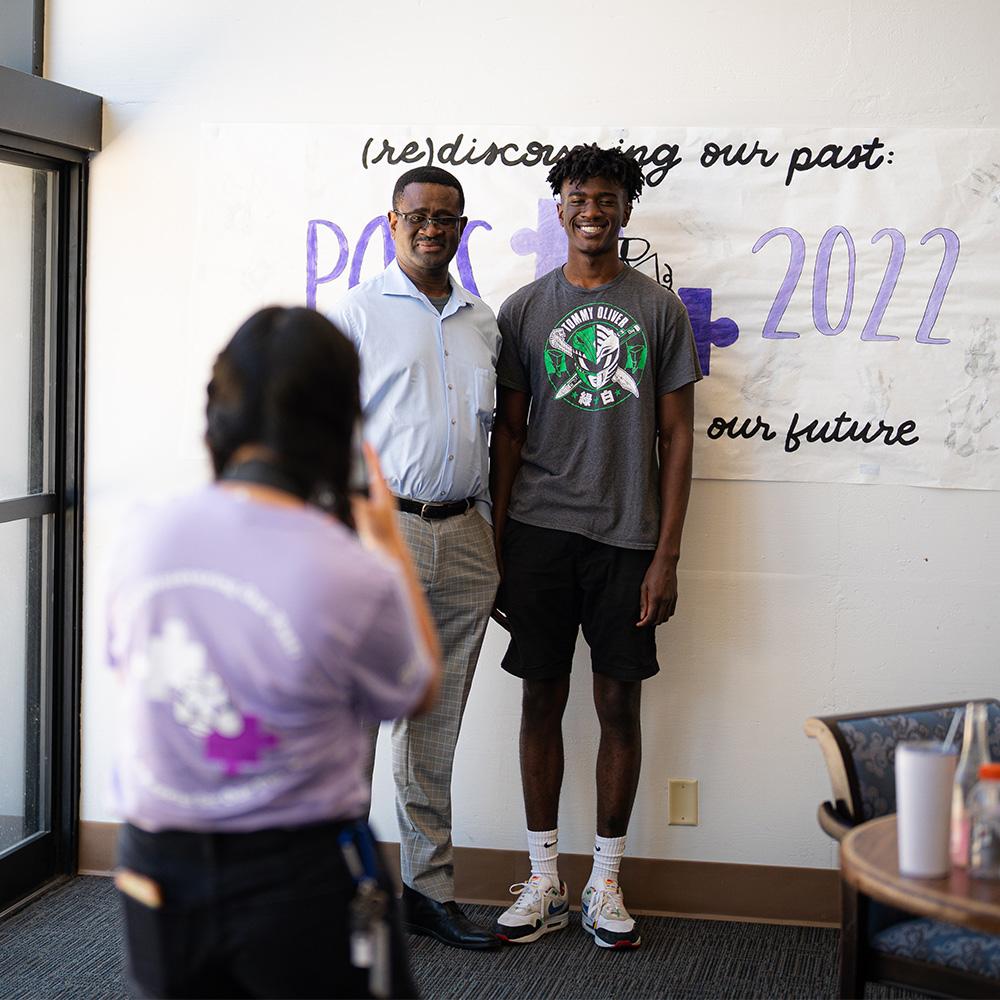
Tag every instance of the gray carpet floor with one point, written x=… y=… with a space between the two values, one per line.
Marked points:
x=68 y=944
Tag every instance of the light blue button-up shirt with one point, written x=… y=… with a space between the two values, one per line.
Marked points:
x=428 y=383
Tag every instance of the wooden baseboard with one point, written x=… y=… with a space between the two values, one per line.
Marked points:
x=98 y=848
x=769 y=893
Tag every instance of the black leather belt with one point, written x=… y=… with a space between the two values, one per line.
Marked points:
x=435 y=511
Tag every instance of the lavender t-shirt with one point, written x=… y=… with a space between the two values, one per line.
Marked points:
x=254 y=642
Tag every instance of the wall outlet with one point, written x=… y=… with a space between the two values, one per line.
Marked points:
x=682 y=802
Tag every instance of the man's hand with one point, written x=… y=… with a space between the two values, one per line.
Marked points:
x=658 y=594
x=510 y=431
x=675 y=427
x=498 y=614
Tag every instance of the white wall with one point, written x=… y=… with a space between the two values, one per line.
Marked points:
x=796 y=599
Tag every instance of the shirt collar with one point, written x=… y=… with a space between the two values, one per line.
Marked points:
x=395 y=282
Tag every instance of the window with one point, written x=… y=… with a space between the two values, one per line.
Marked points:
x=26 y=511
x=42 y=188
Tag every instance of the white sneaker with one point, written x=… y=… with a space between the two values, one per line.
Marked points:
x=604 y=915
x=541 y=906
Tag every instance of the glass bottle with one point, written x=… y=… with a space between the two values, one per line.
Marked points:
x=984 y=821
x=975 y=753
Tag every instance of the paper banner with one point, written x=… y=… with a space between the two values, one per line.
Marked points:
x=842 y=285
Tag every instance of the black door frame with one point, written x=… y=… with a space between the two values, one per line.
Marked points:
x=47 y=126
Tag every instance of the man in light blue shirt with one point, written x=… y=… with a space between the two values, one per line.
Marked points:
x=428 y=353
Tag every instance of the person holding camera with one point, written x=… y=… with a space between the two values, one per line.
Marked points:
x=256 y=637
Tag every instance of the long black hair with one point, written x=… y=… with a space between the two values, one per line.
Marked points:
x=288 y=380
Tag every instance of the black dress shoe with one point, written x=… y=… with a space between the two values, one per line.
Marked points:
x=443 y=921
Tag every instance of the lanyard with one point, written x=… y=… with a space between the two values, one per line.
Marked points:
x=256 y=470
x=370 y=947
x=358 y=848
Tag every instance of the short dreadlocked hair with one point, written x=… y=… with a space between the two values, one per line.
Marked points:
x=583 y=162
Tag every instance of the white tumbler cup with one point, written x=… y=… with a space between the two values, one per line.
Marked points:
x=925 y=771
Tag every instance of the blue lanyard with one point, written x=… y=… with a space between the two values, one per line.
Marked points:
x=358 y=848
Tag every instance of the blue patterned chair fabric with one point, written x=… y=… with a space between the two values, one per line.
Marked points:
x=926 y=940
x=872 y=744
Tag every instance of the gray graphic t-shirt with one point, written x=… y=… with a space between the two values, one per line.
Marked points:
x=594 y=361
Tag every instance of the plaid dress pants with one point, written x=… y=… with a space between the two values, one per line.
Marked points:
x=455 y=559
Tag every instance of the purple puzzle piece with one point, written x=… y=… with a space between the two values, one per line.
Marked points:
x=708 y=333
x=242 y=749
x=547 y=242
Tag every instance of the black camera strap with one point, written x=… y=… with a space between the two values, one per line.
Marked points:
x=256 y=470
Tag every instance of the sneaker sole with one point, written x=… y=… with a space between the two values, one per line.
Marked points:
x=555 y=924
x=623 y=945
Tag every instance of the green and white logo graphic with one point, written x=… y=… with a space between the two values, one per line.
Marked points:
x=595 y=357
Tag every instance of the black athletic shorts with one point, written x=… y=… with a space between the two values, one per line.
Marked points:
x=556 y=581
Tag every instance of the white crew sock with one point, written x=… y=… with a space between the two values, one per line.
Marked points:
x=608 y=853
x=543 y=853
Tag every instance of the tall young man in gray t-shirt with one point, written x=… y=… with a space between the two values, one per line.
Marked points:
x=589 y=499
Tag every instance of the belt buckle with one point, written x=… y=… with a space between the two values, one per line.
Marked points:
x=423 y=510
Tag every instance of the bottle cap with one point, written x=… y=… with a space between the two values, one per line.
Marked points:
x=989 y=772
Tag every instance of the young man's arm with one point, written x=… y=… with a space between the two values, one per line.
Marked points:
x=509 y=432
x=675 y=426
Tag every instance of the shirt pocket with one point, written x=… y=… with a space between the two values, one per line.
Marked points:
x=485 y=387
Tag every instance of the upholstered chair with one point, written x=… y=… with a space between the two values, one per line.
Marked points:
x=879 y=943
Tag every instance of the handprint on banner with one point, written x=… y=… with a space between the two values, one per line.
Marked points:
x=973 y=412
x=985 y=183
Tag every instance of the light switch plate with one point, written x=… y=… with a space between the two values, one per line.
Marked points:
x=682 y=802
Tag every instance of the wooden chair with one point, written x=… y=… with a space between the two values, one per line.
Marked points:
x=879 y=943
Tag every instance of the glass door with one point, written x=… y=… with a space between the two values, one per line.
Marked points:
x=48 y=132
x=29 y=516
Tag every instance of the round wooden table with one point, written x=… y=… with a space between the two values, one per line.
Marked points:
x=869 y=862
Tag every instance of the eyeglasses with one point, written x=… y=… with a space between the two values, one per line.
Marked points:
x=418 y=220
